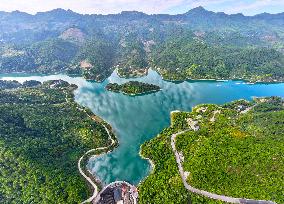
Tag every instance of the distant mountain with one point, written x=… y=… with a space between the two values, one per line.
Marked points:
x=60 y=19
x=75 y=35
x=16 y=24
x=133 y=40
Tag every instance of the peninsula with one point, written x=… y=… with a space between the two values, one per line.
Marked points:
x=43 y=133
x=217 y=153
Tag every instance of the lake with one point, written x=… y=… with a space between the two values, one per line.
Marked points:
x=140 y=118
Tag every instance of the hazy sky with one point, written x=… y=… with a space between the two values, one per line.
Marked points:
x=248 y=7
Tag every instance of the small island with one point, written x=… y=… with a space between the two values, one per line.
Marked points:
x=133 y=88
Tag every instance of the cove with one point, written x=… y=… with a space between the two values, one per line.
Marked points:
x=140 y=118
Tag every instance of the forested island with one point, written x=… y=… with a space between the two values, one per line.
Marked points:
x=234 y=149
x=198 y=44
x=133 y=88
x=43 y=133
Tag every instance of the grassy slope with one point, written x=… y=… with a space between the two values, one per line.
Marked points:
x=238 y=155
x=41 y=139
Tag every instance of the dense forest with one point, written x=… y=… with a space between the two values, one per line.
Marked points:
x=197 y=44
x=183 y=59
x=43 y=133
x=133 y=88
x=237 y=150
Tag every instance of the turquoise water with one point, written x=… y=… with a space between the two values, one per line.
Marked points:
x=138 y=119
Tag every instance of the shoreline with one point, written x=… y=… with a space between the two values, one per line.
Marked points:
x=272 y=81
x=184 y=174
x=152 y=166
x=138 y=94
x=224 y=80
x=141 y=94
x=93 y=180
x=119 y=88
x=146 y=71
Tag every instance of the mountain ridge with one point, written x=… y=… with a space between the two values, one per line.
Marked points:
x=196 y=9
x=94 y=45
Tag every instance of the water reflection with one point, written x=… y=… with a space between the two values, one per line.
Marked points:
x=138 y=119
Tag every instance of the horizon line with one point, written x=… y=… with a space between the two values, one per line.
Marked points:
x=149 y=14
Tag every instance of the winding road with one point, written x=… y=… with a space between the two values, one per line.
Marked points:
x=205 y=193
x=181 y=171
x=95 y=192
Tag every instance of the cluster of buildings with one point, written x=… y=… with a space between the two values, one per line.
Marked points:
x=118 y=193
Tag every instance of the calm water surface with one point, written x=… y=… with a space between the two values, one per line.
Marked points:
x=138 y=119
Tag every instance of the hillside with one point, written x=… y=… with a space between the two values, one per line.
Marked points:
x=235 y=150
x=182 y=59
x=94 y=45
x=43 y=133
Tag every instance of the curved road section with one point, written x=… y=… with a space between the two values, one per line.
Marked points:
x=96 y=195
x=205 y=193
x=82 y=172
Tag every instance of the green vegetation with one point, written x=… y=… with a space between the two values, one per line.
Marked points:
x=53 y=56
x=9 y=84
x=43 y=133
x=31 y=83
x=133 y=88
x=238 y=151
x=183 y=59
x=196 y=45
x=50 y=56
x=132 y=62
x=96 y=59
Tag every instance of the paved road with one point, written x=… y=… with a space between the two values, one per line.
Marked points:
x=95 y=192
x=205 y=193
